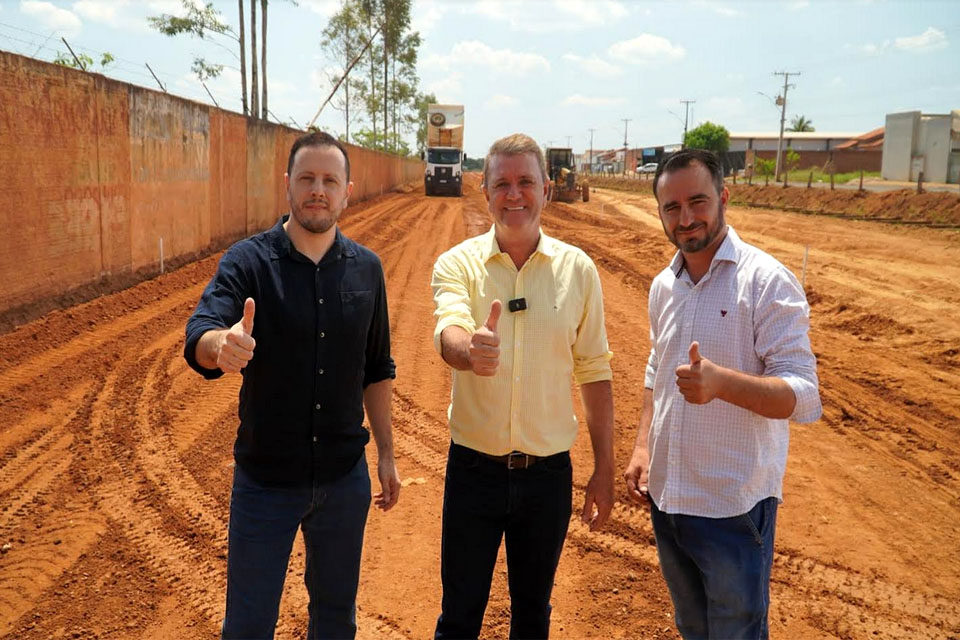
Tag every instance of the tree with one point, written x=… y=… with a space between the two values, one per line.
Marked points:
x=800 y=123
x=202 y=22
x=713 y=137
x=765 y=167
x=342 y=41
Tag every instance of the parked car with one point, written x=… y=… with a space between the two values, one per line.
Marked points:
x=650 y=167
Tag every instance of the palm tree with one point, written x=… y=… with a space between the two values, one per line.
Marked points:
x=800 y=123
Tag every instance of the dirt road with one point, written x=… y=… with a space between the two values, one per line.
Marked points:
x=115 y=459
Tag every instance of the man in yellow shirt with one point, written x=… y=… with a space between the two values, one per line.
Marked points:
x=518 y=314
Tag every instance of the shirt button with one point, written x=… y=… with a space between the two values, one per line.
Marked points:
x=320 y=371
x=323 y=335
x=314 y=438
x=317 y=406
x=320 y=300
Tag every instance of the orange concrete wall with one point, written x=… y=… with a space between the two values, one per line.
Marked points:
x=93 y=172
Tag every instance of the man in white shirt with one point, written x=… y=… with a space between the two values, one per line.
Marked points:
x=730 y=364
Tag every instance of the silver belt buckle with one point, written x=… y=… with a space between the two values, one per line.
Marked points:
x=514 y=455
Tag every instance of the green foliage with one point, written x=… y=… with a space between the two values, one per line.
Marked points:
x=377 y=140
x=801 y=123
x=199 y=22
x=204 y=70
x=791 y=160
x=764 y=167
x=86 y=62
x=473 y=164
x=713 y=137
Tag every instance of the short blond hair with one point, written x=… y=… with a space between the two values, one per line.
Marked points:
x=515 y=145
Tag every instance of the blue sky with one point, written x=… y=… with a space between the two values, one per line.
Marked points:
x=557 y=68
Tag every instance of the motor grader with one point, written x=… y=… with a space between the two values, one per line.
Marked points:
x=562 y=173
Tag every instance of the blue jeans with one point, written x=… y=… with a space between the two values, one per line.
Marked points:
x=263 y=525
x=484 y=502
x=718 y=570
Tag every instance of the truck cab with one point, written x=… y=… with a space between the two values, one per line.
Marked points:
x=444 y=172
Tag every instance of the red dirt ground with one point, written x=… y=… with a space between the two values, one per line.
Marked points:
x=115 y=459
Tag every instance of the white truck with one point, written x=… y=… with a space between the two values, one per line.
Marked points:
x=444 y=155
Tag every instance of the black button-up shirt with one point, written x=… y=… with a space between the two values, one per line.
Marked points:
x=322 y=336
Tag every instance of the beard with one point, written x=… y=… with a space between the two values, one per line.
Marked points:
x=317 y=220
x=693 y=245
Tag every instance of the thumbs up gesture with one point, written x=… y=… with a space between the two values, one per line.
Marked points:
x=485 y=344
x=236 y=345
x=701 y=380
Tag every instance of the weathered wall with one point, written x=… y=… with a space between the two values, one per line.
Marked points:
x=94 y=172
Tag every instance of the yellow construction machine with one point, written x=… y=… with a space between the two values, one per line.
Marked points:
x=562 y=173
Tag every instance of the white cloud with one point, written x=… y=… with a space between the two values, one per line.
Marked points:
x=875 y=49
x=325 y=8
x=594 y=65
x=498 y=60
x=434 y=62
x=645 y=48
x=591 y=101
x=720 y=108
x=542 y=17
x=448 y=89
x=593 y=12
x=837 y=82
x=500 y=100
x=929 y=40
x=51 y=17
x=99 y=10
x=798 y=5
x=426 y=14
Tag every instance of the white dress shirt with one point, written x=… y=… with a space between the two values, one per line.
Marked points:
x=749 y=313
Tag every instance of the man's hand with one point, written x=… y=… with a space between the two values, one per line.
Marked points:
x=637 y=476
x=389 y=484
x=598 y=502
x=485 y=344
x=235 y=345
x=700 y=381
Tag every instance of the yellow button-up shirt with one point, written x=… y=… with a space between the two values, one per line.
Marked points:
x=527 y=405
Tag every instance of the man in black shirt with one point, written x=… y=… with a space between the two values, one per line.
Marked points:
x=301 y=311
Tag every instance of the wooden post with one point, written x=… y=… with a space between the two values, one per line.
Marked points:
x=920 y=183
x=831 y=181
x=803 y=278
x=786 y=178
x=810 y=180
x=861 y=179
x=767 y=183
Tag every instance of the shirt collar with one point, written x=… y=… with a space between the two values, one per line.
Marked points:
x=281 y=246
x=728 y=251
x=490 y=247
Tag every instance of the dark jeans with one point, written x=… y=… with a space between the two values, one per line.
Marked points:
x=483 y=501
x=263 y=525
x=718 y=570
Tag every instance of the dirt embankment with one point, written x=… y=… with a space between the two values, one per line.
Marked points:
x=115 y=458
x=934 y=207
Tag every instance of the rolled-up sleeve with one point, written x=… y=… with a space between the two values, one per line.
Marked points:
x=379 y=363
x=591 y=352
x=451 y=297
x=220 y=306
x=783 y=343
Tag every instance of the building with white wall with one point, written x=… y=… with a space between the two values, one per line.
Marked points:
x=916 y=142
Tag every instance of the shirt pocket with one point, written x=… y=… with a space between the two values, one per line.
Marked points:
x=357 y=310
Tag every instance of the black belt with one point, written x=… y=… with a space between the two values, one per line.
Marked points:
x=514 y=459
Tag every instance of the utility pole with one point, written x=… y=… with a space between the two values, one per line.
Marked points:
x=783 y=114
x=686 y=113
x=591 y=150
x=625 y=121
x=568 y=140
